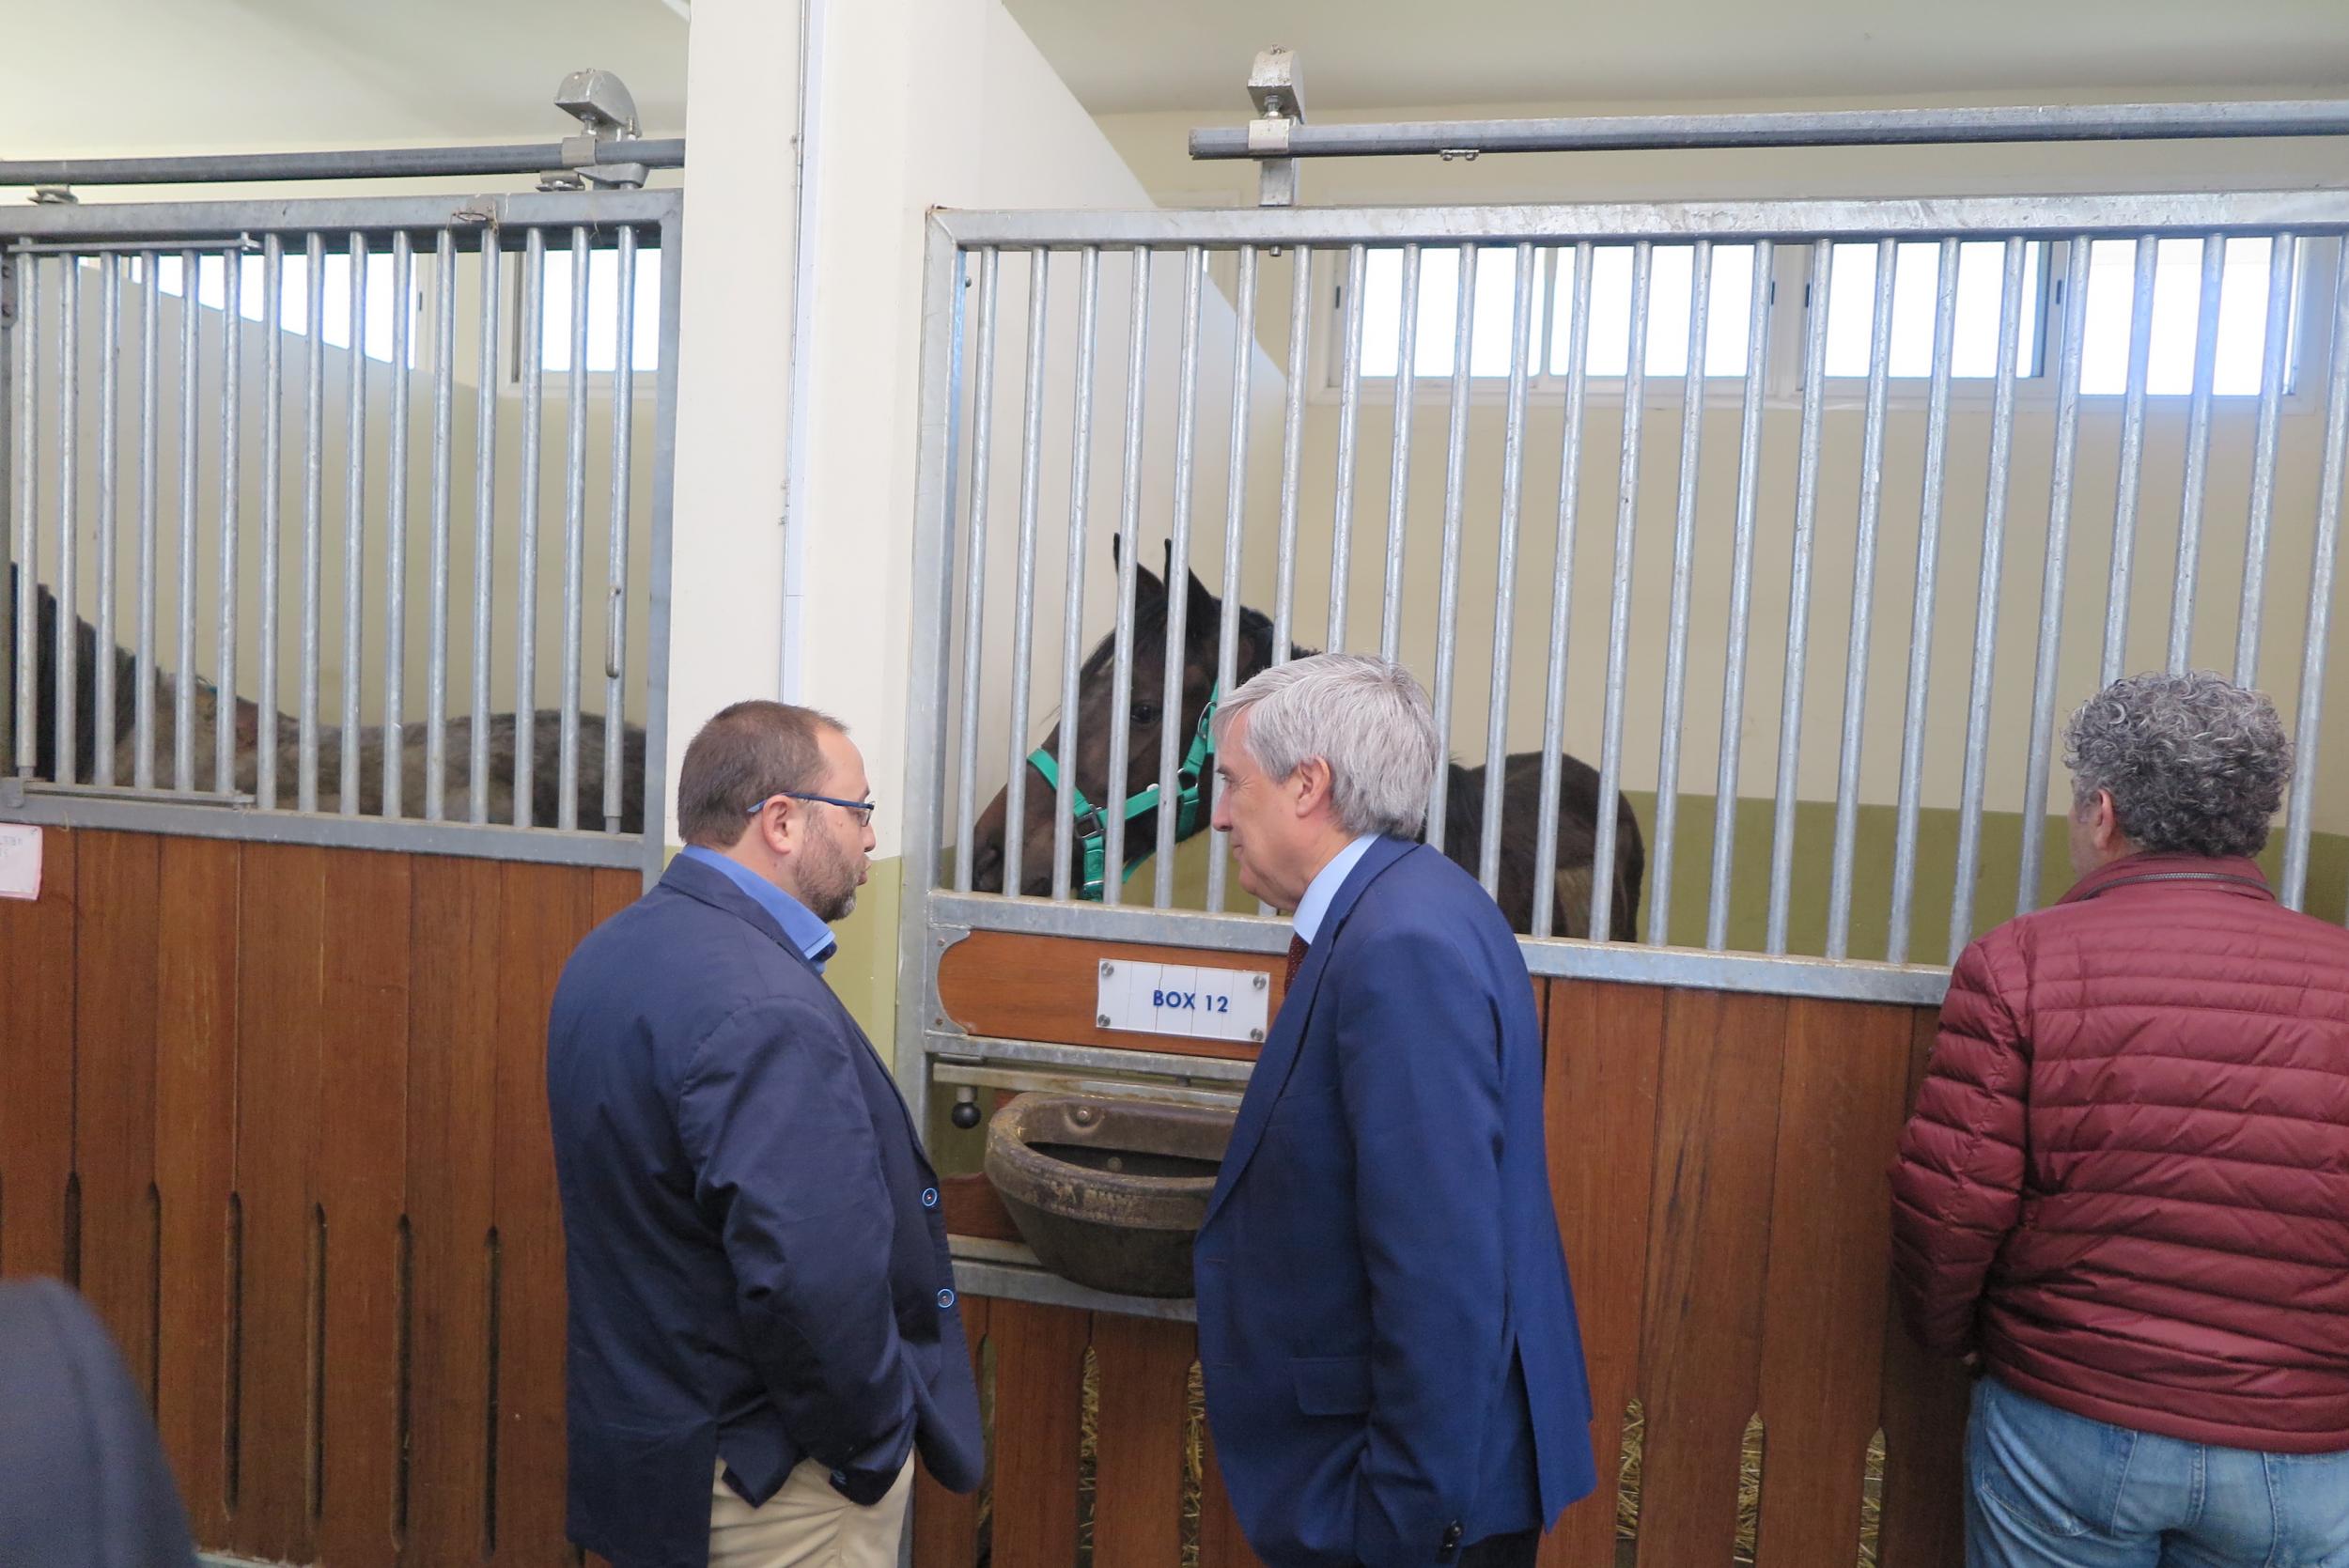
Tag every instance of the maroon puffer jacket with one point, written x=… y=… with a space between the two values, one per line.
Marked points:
x=2126 y=1180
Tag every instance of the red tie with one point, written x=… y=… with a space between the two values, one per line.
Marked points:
x=1296 y=958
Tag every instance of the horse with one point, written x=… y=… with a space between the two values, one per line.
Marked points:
x=120 y=733
x=1463 y=828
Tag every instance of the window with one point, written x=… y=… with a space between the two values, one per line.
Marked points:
x=212 y=290
x=603 y=315
x=2174 y=316
x=1916 y=287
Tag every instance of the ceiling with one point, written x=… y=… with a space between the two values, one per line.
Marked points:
x=113 y=77
x=1125 y=56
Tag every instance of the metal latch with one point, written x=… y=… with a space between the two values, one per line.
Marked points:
x=605 y=109
x=1277 y=89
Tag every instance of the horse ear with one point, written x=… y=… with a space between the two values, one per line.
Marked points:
x=1204 y=611
x=1148 y=588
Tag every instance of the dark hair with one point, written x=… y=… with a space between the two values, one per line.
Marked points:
x=746 y=753
x=2195 y=763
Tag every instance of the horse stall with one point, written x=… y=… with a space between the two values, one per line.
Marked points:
x=1751 y=553
x=335 y=658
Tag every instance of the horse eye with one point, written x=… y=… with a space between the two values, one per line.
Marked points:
x=1145 y=713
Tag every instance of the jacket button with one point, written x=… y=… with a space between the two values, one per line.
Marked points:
x=929 y=1197
x=1451 y=1535
x=945 y=1298
x=840 y=1478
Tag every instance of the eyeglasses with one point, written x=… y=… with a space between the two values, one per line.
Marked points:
x=864 y=809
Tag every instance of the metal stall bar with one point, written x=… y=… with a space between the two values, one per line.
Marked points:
x=485 y=446
x=273 y=498
x=1921 y=608
x=231 y=396
x=1684 y=575
x=1073 y=608
x=1863 y=595
x=183 y=694
x=1799 y=592
x=1619 y=617
x=2300 y=817
x=1235 y=513
x=150 y=394
x=25 y=366
x=313 y=524
x=2275 y=369
x=1740 y=598
x=1128 y=564
x=1399 y=469
x=444 y=414
x=1292 y=441
x=68 y=511
x=109 y=419
x=395 y=534
x=1023 y=581
x=2132 y=467
x=617 y=567
x=1349 y=414
x=658 y=609
x=244 y=168
x=1778 y=129
x=355 y=526
x=1561 y=595
x=10 y=267
x=1448 y=576
x=1171 y=736
x=1987 y=604
x=532 y=335
x=1504 y=614
x=2051 y=583
x=574 y=535
x=975 y=591
x=2197 y=453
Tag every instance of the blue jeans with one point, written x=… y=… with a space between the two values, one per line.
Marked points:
x=2048 y=1489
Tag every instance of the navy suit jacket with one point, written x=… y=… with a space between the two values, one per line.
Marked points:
x=757 y=1255
x=83 y=1479
x=1393 y=1365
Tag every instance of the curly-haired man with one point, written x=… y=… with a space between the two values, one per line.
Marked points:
x=2125 y=1192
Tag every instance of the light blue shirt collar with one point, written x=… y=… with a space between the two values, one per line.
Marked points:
x=811 y=936
x=1325 y=886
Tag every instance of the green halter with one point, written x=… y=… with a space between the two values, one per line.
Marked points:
x=1093 y=833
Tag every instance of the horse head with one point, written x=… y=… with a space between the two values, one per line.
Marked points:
x=1143 y=697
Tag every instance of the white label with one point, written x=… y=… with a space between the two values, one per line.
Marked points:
x=20 y=860
x=1178 y=998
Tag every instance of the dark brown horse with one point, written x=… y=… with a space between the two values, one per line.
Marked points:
x=1464 y=808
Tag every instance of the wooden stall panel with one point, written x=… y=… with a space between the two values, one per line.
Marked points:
x=1717 y=1132
x=1145 y=1370
x=1022 y=988
x=1605 y=1053
x=451 y=1084
x=546 y=911
x=1923 y=1417
x=280 y=1027
x=362 y=1187
x=195 y=1147
x=37 y=1068
x=1039 y=1390
x=1839 y=1108
x=115 y=961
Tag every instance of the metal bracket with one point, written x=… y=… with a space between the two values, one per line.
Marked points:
x=1277 y=89
x=11 y=793
x=55 y=195
x=606 y=111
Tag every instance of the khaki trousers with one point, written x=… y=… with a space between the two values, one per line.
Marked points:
x=806 y=1524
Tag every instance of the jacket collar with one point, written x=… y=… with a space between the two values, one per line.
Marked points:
x=1279 y=1056
x=707 y=885
x=2236 y=875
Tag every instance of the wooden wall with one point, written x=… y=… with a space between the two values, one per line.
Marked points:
x=280 y=1112
x=1717 y=1164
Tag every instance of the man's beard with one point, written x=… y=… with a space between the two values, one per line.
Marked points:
x=829 y=885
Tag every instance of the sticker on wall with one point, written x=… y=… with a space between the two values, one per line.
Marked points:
x=1185 y=1000
x=20 y=860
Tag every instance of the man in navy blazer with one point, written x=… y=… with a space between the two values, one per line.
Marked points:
x=763 y=1326
x=1394 y=1374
